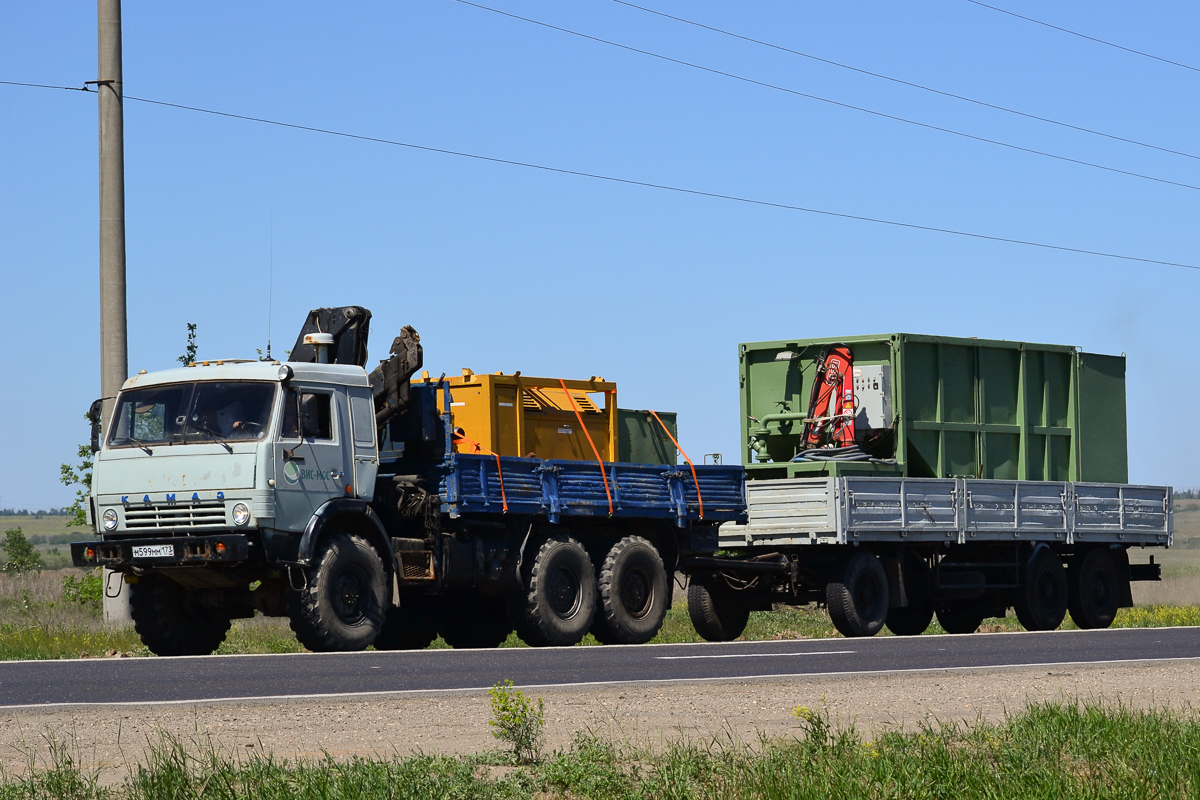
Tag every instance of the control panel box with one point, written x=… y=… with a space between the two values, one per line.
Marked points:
x=873 y=397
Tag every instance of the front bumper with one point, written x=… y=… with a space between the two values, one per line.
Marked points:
x=162 y=552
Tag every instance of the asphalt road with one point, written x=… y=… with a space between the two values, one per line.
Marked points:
x=190 y=679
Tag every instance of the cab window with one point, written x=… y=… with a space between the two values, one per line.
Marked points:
x=307 y=415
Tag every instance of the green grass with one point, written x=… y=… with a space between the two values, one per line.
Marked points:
x=1045 y=751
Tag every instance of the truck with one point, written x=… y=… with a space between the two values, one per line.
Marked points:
x=356 y=504
x=924 y=477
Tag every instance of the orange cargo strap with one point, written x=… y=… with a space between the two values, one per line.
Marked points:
x=595 y=452
x=695 y=480
x=458 y=437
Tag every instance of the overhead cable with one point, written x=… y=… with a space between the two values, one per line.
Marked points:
x=838 y=103
x=1085 y=36
x=911 y=84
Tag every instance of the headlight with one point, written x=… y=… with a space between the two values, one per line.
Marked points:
x=241 y=514
x=110 y=519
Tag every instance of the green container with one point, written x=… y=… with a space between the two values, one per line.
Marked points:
x=970 y=408
x=641 y=440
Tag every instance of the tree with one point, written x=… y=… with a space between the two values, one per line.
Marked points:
x=80 y=476
x=189 y=355
x=19 y=555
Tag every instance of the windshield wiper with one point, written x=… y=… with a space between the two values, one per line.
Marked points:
x=137 y=442
x=202 y=427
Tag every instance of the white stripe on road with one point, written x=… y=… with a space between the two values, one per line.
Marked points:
x=757 y=655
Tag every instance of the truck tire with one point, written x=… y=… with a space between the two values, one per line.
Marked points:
x=169 y=623
x=411 y=626
x=471 y=621
x=632 y=593
x=1041 y=601
x=910 y=620
x=719 y=614
x=1094 y=588
x=961 y=619
x=857 y=595
x=558 y=603
x=344 y=600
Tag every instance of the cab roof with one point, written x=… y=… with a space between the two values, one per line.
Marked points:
x=341 y=374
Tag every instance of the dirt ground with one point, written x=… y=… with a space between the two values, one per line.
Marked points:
x=646 y=713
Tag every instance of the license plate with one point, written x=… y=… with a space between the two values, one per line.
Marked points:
x=154 y=551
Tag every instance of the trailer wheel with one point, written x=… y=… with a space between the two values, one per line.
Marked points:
x=719 y=614
x=343 y=602
x=411 y=626
x=169 y=623
x=857 y=595
x=1041 y=602
x=470 y=621
x=910 y=620
x=961 y=619
x=632 y=593
x=1093 y=589
x=559 y=601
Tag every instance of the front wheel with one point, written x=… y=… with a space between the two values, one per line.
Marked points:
x=170 y=623
x=1041 y=602
x=1094 y=589
x=719 y=613
x=632 y=592
x=857 y=595
x=343 y=602
x=558 y=602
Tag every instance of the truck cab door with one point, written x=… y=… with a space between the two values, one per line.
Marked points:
x=312 y=453
x=366 y=454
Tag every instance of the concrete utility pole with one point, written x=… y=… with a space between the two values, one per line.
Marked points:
x=114 y=349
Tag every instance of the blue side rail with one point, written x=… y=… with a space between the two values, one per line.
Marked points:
x=471 y=484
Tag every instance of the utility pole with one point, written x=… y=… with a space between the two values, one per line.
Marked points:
x=114 y=349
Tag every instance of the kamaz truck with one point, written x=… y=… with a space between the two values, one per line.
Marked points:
x=375 y=509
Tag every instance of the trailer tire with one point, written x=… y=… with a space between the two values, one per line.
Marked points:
x=1041 y=601
x=857 y=595
x=1094 y=588
x=167 y=621
x=558 y=603
x=632 y=589
x=343 y=602
x=910 y=620
x=411 y=626
x=961 y=619
x=471 y=621
x=719 y=614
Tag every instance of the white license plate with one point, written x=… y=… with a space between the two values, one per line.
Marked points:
x=154 y=551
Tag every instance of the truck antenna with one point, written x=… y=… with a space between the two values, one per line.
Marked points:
x=270 y=271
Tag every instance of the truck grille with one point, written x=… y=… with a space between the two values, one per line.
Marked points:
x=184 y=515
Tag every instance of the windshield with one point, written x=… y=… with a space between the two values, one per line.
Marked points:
x=192 y=412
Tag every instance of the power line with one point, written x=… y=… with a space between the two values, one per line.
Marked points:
x=911 y=84
x=1085 y=36
x=838 y=103
x=648 y=184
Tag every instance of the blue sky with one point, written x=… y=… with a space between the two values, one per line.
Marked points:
x=502 y=268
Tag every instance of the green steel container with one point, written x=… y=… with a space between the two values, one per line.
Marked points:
x=971 y=408
x=641 y=440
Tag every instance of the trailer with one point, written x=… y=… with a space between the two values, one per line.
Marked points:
x=972 y=476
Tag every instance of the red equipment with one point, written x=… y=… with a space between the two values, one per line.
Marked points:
x=832 y=402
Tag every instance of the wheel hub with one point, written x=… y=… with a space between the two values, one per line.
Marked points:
x=564 y=592
x=636 y=593
x=348 y=596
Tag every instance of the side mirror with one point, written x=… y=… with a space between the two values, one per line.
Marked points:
x=93 y=416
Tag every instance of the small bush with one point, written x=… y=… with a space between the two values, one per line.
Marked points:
x=86 y=591
x=20 y=556
x=518 y=721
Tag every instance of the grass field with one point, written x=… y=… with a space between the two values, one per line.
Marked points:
x=1044 y=751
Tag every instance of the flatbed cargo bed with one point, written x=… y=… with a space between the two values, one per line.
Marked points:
x=848 y=510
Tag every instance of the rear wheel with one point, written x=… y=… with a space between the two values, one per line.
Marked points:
x=910 y=620
x=857 y=595
x=961 y=619
x=471 y=621
x=1041 y=602
x=719 y=614
x=169 y=622
x=632 y=593
x=343 y=602
x=1094 y=588
x=558 y=602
